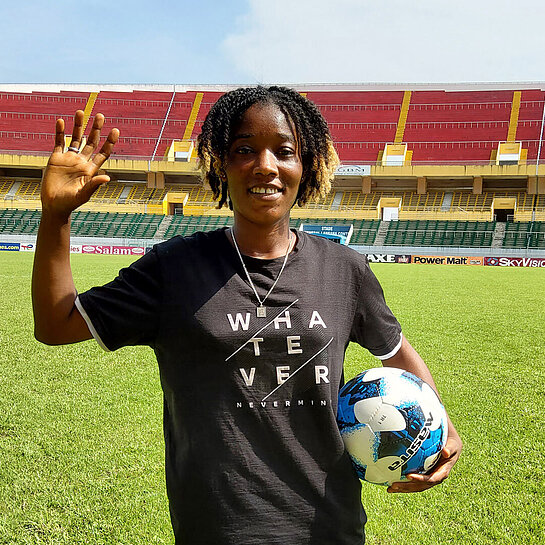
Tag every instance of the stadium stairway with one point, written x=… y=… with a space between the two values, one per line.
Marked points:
x=163 y=226
x=13 y=190
x=124 y=194
x=447 y=201
x=499 y=235
x=337 y=199
x=381 y=233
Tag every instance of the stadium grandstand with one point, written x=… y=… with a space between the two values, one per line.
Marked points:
x=425 y=168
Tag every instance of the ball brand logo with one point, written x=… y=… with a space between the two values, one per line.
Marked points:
x=415 y=445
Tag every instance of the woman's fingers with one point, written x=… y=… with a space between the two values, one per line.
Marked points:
x=86 y=154
x=73 y=156
x=419 y=482
x=72 y=177
x=106 y=148
x=59 y=136
x=92 y=185
x=94 y=137
x=77 y=132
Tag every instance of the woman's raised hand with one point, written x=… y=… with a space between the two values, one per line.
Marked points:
x=71 y=177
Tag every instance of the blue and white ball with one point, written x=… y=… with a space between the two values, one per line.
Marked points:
x=392 y=424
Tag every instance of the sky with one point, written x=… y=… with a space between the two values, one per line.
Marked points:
x=271 y=41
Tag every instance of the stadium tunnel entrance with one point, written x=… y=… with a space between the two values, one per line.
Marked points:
x=503 y=209
x=504 y=215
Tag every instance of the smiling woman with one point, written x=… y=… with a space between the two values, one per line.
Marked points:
x=306 y=125
x=262 y=150
x=249 y=327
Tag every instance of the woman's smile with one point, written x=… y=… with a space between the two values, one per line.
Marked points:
x=265 y=190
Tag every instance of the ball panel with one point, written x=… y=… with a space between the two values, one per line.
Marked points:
x=380 y=472
x=362 y=444
x=430 y=461
x=378 y=373
x=378 y=415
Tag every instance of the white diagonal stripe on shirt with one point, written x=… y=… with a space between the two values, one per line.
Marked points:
x=262 y=329
x=299 y=368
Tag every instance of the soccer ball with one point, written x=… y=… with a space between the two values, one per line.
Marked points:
x=392 y=423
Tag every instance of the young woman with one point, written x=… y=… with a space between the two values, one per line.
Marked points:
x=249 y=326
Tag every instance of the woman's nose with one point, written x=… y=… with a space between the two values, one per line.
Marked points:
x=266 y=163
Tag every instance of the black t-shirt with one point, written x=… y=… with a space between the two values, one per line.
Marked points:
x=253 y=452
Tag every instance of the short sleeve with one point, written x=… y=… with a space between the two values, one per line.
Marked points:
x=125 y=311
x=374 y=326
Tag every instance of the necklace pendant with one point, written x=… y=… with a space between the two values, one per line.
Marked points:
x=261 y=311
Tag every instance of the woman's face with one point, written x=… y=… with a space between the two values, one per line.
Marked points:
x=263 y=166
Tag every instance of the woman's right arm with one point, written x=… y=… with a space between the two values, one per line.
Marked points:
x=69 y=181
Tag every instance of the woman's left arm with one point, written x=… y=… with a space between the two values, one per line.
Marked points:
x=408 y=358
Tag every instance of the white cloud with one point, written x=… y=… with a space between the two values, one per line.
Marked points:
x=389 y=41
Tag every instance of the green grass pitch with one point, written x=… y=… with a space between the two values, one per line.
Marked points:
x=81 y=448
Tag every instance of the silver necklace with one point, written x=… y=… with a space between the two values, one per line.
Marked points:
x=261 y=310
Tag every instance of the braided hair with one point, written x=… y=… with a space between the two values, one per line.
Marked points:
x=318 y=155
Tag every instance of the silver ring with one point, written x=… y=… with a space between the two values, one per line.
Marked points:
x=72 y=148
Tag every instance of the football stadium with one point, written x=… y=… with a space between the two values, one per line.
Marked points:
x=443 y=187
x=425 y=171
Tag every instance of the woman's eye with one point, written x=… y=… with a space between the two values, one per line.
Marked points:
x=244 y=150
x=286 y=151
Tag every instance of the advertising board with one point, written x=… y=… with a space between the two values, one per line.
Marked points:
x=388 y=258
x=337 y=233
x=447 y=260
x=9 y=246
x=353 y=170
x=101 y=249
x=514 y=261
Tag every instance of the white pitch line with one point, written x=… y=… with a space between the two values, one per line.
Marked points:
x=258 y=332
x=299 y=369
